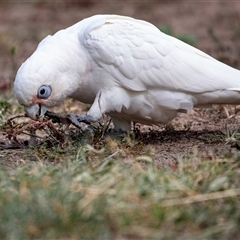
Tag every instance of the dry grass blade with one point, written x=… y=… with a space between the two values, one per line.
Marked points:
x=92 y=195
x=200 y=198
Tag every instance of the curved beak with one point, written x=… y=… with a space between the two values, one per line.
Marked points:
x=35 y=111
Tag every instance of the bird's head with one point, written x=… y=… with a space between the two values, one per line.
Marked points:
x=46 y=78
x=32 y=92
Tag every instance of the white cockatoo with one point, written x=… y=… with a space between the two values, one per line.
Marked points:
x=126 y=68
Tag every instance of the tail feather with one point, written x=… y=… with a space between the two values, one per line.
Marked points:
x=234 y=89
x=229 y=96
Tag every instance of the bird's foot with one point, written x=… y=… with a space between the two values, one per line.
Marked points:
x=78 y=121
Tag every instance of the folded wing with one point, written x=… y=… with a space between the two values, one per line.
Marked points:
x=140 y=57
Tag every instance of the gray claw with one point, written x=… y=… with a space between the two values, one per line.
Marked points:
x=76 y=119
x=84 y=127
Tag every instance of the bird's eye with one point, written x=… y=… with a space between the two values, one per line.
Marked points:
x=44 y=92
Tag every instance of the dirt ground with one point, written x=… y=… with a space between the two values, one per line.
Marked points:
x=215 y=24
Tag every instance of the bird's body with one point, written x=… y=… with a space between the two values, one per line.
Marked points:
x=125 y=68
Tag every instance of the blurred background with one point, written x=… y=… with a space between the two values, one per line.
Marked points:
x=212 y=26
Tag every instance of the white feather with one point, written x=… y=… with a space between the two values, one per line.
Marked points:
x=128 y=69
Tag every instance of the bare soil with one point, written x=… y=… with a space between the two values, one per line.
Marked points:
x=215 y=24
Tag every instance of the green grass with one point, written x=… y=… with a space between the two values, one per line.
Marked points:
x=187 y=38
x=94 y=194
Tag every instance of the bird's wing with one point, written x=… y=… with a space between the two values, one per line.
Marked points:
x=140 y=57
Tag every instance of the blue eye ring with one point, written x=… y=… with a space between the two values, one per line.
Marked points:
x=44 y=92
